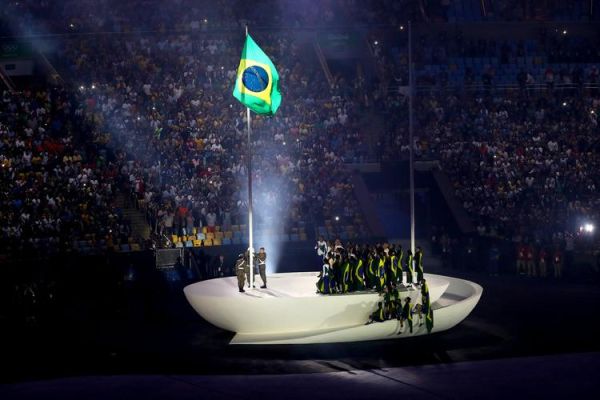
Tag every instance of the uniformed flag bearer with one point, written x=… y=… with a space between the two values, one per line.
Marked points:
x=240 y=271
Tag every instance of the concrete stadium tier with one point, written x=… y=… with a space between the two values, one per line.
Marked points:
x=290 y=310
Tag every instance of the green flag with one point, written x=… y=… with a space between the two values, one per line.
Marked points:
x=257 y=82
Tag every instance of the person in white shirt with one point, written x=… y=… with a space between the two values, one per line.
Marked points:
x=321 y=248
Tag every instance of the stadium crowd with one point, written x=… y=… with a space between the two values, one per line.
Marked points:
x=152 y=110
x=185 y=139
x=523 y=164
x=519 y=162
x=55 y=190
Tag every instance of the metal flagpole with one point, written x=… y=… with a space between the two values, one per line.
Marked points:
x=250 y=244
x=410 y=140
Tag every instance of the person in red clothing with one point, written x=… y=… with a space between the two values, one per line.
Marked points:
x=529 y=258
x=521 y=250
x=180 y=221
x=542 y=266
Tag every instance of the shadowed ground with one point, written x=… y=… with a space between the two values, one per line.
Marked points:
x=551 y=323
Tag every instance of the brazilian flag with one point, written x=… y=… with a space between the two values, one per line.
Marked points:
x=257 y=82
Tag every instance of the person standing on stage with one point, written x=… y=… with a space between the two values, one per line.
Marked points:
x=332 y=275
x=400 y=267
x=410 y=268
x=337 y=246
x=321 y=248
x=240 y=271
x=345 y=274
x=323 y=285
x=371 y=271
x=392 y=272
x=247 y=268
x=358 y=277
x=389 y=302
x=425 y=303
x=261 y=257
x=395 y=297
x=419 y=264
x=338 y=272
x=330 y=250
x=381 y=277
x=406 y=315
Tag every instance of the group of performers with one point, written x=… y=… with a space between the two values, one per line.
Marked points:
x=384 y=268
x=357 y=268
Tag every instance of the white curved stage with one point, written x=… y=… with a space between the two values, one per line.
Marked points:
x=290 y=310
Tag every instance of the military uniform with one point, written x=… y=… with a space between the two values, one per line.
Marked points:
x=247 y=269
x=240 y=271
x=262 y=268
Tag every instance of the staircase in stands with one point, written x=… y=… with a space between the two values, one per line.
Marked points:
x=139 y=225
